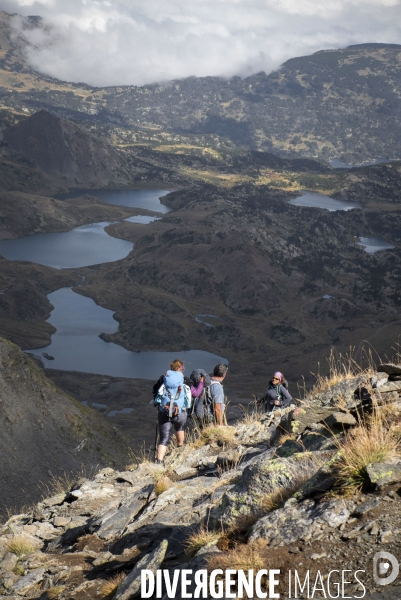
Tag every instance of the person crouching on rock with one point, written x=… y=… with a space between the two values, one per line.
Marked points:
x=173 y=401
x=277 y=395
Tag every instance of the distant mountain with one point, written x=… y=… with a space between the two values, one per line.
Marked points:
x=44 y=432
x=332 y=103
x=63 y=148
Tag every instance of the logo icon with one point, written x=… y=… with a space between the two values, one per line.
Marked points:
x=385 y=568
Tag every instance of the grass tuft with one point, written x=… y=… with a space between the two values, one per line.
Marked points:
x=200 y=539
x=20 y=546
x=110 y=587
x=215 y=434
x=243 y=556
x=53 y=592
x=162 y=484
x=374 y=441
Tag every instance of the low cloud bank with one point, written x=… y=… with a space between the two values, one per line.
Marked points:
x=118 y=42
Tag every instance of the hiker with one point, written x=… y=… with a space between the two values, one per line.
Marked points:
x=277 y=395
x=217 y=392
x=198 y=382
x=173 y=398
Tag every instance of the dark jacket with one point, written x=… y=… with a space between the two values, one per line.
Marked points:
x=277 y=392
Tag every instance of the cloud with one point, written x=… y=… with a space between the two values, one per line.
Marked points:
x=116 y=42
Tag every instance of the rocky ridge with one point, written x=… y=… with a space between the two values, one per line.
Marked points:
x=73 y=545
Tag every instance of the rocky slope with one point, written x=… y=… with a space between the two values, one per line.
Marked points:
x=44 y=433
x=63 y=148
x=264 y=494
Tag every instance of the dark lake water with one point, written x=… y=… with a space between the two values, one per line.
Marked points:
x=316 y=200
x=149 y=199
x=80 y=247
x=76 y=345
x=336 y=163
x=374 y=244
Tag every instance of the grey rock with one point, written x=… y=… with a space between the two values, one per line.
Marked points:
x=9 y=561
x=343 y=392
x=260 y=477
x=54 y=500
x=321 y=481
x=302 y=522
x=25 y=583
x=385 y=536
x=102 y=558
x=61 y=521
x=113 y=523
x=131 y=586
x=317 y=556
x=365 y=507
x=383 y=474
x=389 y=368
x=185 y=472
x=390 y=386
x=340 y=419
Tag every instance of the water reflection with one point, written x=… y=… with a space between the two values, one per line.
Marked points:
x=374 y=244
x=76 y=345
x=80 y=247
x=316 y=200
x=149 y=199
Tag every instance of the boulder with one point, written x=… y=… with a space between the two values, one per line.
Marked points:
x=131 y=586
x=390 y=368
x=383 y=474
x=340 y=420
x=300 y=523
x=25 y=583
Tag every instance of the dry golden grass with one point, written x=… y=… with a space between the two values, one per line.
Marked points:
x=162 y=484
x=375 y=440
x=53 y=592
x=200 y=539
x=243 y=556
x=251 y=414
x=342 y=368
x=109 y=588
x=220 y=434
x=20 y=546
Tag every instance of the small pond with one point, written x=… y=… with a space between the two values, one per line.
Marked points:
x=83 y=246
x=374 y=244
x=336 y=163
x=316 y=200
x=149 y=199
x=76 y=345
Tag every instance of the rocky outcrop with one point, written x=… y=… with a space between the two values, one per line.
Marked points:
x=63 y=148
x=236 y=489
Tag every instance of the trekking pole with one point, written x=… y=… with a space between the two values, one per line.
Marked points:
x=156 y=437
x=271 y=417
x=225 y=413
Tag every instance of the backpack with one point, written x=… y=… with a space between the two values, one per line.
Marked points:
x=208 y=405
x=173 y=403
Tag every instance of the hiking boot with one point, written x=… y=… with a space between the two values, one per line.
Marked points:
x=159 y=462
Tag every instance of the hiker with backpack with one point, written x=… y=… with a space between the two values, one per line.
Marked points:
x=277 y=395
x=198 y=381
x=217 y=392
x=173 y=398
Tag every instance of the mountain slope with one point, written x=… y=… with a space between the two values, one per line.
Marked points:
x=66 y=149
x=44 y=432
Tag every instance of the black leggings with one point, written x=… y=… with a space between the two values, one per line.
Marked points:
x=165 y=424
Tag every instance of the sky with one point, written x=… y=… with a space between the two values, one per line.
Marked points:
x=135 y=42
